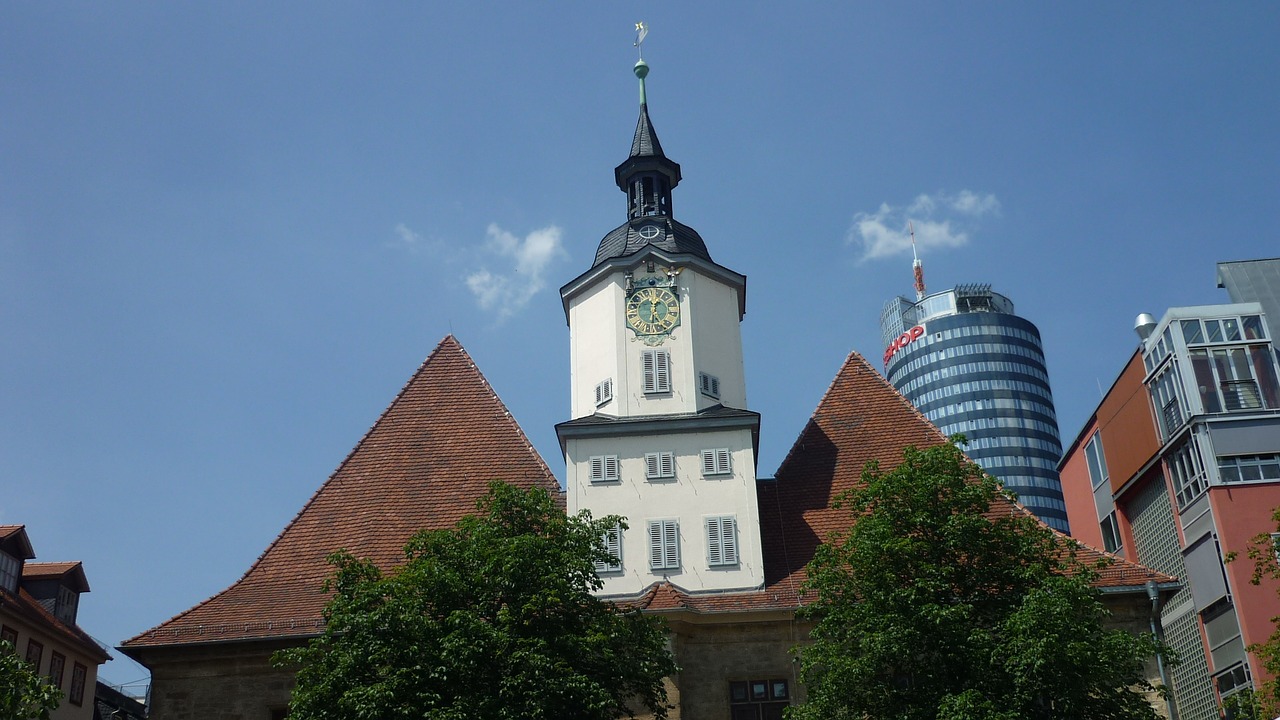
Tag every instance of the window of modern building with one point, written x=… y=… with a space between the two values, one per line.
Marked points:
x=1236 y=378
x=1242 y=468
x=1187 y=472
x=664 y=545
x=604 y=392
x=1096 y=460
x=613 y=544
x=722 y=540
x=758 y=699
x=1166 y=397
x=716 y=462
x=605 y=468
x=1232 y=681
x=656 y=369
x=1111 y=538
x=660 y=465
x=10 y=572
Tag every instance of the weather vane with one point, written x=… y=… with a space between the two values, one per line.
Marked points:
x=641 y=31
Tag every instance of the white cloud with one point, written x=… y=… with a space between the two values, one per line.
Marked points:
x=885 y=232
x=527 y=259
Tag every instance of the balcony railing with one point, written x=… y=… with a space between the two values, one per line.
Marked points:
x=1241 y=395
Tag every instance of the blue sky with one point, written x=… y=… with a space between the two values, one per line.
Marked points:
x=230 y=232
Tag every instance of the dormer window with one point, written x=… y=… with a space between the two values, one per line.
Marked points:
x=10 y=572
x=66 y=605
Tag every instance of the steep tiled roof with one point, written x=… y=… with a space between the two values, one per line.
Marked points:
x=29 y=609
x=422 y=465
x=57 y=571
x=861 y=418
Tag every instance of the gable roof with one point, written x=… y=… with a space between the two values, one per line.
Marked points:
x=70 y=573
x=422 y=465
x=860 y=418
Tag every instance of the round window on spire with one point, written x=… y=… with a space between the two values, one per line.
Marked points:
x=650 y=232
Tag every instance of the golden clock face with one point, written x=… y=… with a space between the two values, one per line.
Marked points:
x=653 y=311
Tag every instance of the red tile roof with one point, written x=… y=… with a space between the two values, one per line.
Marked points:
x=860 y=418
x=422 y=465
x=57 y=571
x=23 y=605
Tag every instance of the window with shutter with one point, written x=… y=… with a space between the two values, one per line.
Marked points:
x=656 y=369
x=664 y=545
x=716 y=462
x=612 y=543
x=709 y=384
x=722 y=540
x=660 y=465
x=604 y=468
x=604 y=392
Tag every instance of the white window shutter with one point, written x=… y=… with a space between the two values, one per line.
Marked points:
x=613 y=544
x=652 y=464
x=668 y=464
x=611 y=467
x=650 y=371
x=604 y=391
x=713 y=542
x=597 y=468
x=671 y=536
x=655 y=546
x=729 y=539
x=708 y=462
x=663 y=370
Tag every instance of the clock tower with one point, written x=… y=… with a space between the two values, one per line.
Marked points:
x=660 y=432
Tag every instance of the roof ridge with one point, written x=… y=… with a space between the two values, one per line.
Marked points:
x=449 y=340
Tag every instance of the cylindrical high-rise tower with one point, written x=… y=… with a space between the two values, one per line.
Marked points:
x=971 y=366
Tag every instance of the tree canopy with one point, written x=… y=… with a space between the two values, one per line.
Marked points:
x=24 y=693
x=492 y=619
x=931 y=606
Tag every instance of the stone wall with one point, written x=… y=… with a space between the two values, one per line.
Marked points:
x=218 y=681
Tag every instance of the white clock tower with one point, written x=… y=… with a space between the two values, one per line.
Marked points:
x=660 y=432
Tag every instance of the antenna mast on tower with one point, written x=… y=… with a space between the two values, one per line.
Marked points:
x=916 y=266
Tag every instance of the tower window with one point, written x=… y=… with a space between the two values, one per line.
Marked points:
x=604 y=468
x=613 y=544
x=656 y=369
x=664 y=545
x=660 y=465
x=709 y=384
x=716 y=462
x=604 y=392
x=722 y=541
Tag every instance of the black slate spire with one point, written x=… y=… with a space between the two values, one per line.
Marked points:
x=647 y=176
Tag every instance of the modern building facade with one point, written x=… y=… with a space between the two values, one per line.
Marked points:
x=38 y=607
x=1254 y=281
x=1180 y=465
x=972 y=366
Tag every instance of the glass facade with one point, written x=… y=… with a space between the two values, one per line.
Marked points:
x=977 y=369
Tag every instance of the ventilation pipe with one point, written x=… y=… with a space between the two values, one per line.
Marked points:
x=1144 y=325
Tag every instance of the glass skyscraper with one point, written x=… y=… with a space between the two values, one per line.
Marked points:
x=972 y=366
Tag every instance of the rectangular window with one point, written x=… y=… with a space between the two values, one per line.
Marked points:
x=716 y=462
x=660 y=465
x=1191 y=333
x=758 y=699
x=1111 y=535
x=35 y=651
x=656 y=368
x=9 y=635
x=56 y=664
x=1253 y=329
x=10 y=571
x=1186 y=472
x=722 y=541
x=613 y=544
x=1242 y=468
x=709 y=384
x=1236 y=378
x=1097 y=461
x=78 y=673
x=604 y=392
x=604 y=468
x=664 y=545
x=1166 y=397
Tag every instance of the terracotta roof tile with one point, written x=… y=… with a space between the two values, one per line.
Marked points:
x=422 y=465
x=24 y=605
x=860 y=418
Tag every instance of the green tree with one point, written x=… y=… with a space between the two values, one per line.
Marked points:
x=933 y=606
x=493 y=619
x=24 y=694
